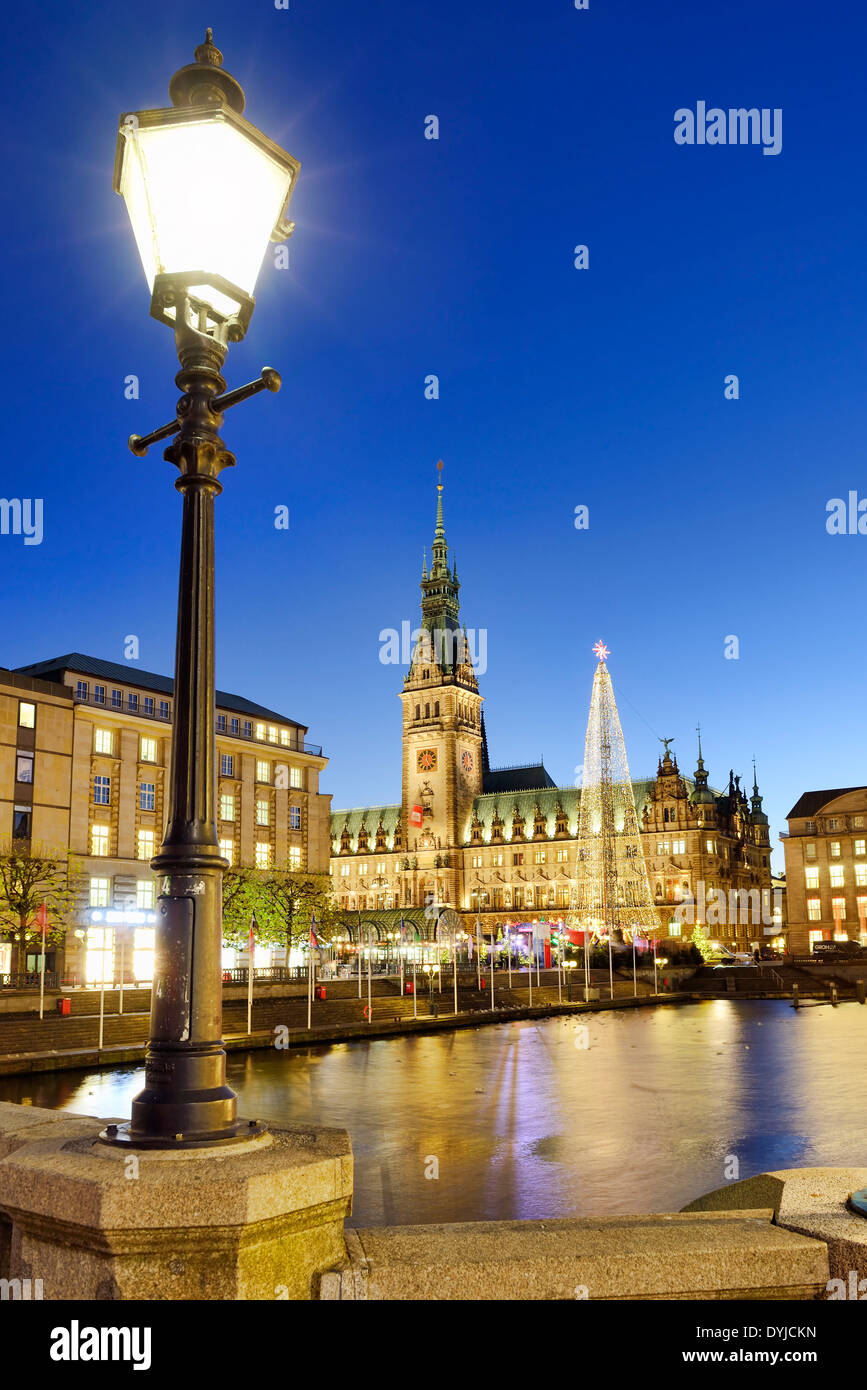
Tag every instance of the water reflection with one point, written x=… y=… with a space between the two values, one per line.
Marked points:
x=524 y=1123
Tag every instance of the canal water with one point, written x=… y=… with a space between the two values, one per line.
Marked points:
x=642 y=1112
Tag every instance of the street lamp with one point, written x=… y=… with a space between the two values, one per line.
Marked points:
x=205 y=191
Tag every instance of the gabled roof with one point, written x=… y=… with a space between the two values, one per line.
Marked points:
x=368 y=816
x=54 y=670
x=811 y=802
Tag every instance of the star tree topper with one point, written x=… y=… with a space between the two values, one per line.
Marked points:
x=601 y=650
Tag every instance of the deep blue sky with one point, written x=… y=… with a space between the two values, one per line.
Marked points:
x=558 y=387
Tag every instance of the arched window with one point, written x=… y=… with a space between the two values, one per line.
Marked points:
x=427 y=711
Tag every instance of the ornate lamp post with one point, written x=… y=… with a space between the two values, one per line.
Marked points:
x=205 y=192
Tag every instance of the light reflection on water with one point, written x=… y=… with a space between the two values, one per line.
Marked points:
x=524 y=1124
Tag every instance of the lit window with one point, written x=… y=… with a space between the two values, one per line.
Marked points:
x=263 y=855
x=710 y=845
x=147 y=793
x=814 y=910
x=294 y=817
x=101 y=791
x=145 y=845
x=496 y=861
x=102 y=741
x=837 y=876
x=861 y=846
x=148 y=750
x=296 y=778
x=26 y=715
x=227 y=807
x=362 y=868
x=344 y=871
x=838 y=909
x=835 y=849
x=284 y=737
x=99 y=694
x=674 y=928
x=857 y=822
x=99 y=835
x=811 y=878
x=227 y=765
x=833 y=823
x=260 y=731
x=150 y=704
x=144 y=894
x=143 y=953
x=99 y=890
x=263 y=771
x=227 y=849
x=861 y=906
x=262 y=811
x=562 y=856
x=810 y=849
x=539 y=856
x=294 y=857
x=477 y=861
x=272 y=734
x=861 y=875
x=678 y=846
x=99 y=961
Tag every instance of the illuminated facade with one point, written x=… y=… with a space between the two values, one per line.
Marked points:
x=85 y=758
x=826 y=868
x=501 y=844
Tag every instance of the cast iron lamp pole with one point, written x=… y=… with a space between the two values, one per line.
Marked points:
x=186 y=1101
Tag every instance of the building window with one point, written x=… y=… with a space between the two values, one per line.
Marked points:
x=221 y=723
x=814 y=910
x=284 y=737
x=260 y=731
x=418 y=711
x=150 y=704
x=235 y=726
x=99 y=840
x=99 y=891
x=81 y=690
x=294 y=857
x=263 y=854
x=835 y=849
x=837 y=876
x=561 y=856
x=101 y=791
x=518 y=858
x=22 y=822
x=477 y=861
x=497 y=861
x=833 y=823
x=861 y=907
x=248 y=728
x=838 y=909
x=811 y=878
x=148 y=750
x=272 y=734
x=227 y=849
x=117 y=699
x=344 y=871
x=810 y=827
x=810 y=849
x=99 y=694
x=262 y=812
x=861 y=846
x=227 y=765
x=263 y=770
x=678 y=846
x=24 y=767
x=103 y=741
x=144 y=894
x=26 y=715
x=132 y=701
x=99 y=961
x=143 y=954
x=145 y=845
x=710 y=846
x=164 y=709
x=147 y=794
x=294 y=817
x=362 y=868
x=857 y=822
x=539 y=856
x=296 y=778
x=861 y=875
x=227 y=807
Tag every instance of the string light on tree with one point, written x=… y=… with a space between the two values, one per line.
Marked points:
x=601 y=650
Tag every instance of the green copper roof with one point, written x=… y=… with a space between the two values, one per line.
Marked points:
x=370 y=817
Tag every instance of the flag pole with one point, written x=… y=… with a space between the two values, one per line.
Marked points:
x=251 y=951
x=369 y=966
x=414 y=984
x=455 y=963
x=478 y=954
x=493 y=1002
x=509 y=954
x=42 y=964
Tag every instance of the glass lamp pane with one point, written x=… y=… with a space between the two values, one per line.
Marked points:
x=202 y=196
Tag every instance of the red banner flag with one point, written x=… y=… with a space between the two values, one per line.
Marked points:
x=416 y=815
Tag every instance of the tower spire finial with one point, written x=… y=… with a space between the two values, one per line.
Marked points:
x=440 y=531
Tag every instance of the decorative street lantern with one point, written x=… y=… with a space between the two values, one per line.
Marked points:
x=205 y=191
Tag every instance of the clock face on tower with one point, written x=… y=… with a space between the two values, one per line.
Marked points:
x=426 y=760
x=467 y=760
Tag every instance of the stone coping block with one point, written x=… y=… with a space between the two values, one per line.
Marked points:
x=705 y=1256
x=259 y=1219
x=810 y=1201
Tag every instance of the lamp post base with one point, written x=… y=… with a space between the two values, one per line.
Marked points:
x=122 y=1136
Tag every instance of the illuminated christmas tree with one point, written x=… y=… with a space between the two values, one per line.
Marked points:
x=612 y=890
